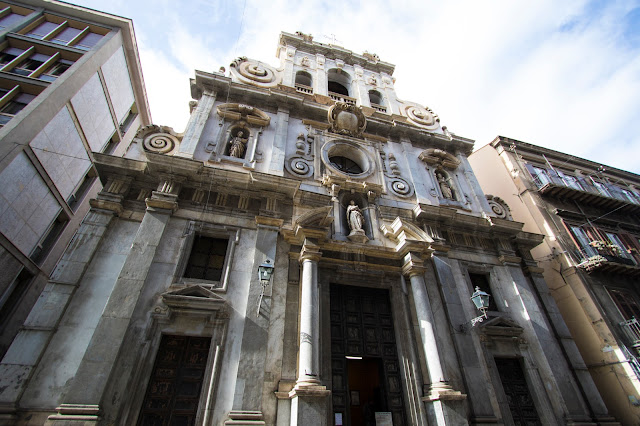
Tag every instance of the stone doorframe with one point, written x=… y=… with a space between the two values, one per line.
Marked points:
x=412 y=382
x=189 y=311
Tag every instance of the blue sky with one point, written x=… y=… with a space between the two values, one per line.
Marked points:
x=560 y=74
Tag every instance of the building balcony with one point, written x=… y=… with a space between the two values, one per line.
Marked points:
x=342 y=98
x=301 y=88
x=604 y=197
x=606 y=261
x=379 y=108
x=631 y=330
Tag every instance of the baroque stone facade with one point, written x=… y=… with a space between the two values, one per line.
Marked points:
x=377 y=233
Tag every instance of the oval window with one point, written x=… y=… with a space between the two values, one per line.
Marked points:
x=345 y=165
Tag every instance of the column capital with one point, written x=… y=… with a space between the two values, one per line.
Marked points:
x=310 y=251
x=413 y=265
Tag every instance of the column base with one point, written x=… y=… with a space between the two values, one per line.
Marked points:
x=245 y=418
x=444 y=392
x=67 y=413
x=309 y=405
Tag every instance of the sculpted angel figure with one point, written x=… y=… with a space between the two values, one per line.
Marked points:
x=354 y=217
x=238 y=145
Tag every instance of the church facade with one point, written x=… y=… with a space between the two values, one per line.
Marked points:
x=305 y=253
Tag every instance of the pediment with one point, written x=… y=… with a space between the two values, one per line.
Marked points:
x=400 y=230
x=194 y=297
x=435 y=156
x=501 y=327
x=318 y=217
x=252 y=115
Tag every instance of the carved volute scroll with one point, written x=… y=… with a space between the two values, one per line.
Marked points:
x=159 y=139
x=256 y=73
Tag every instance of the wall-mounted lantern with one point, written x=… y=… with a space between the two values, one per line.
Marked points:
x=481 y=300
x=265 y=271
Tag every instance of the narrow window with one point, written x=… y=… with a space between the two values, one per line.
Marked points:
x=10 y=19
x=14 y=106
x=28 y=66
x=75 y=198
x=56 y=70
x=174 y=388
x=128 y=120
x=206 y=260
x=9 y=54
x=626 y=303
x=88 y=41
x=41 y=251
x=13 y=294
x=66 y=35
x=42 y=30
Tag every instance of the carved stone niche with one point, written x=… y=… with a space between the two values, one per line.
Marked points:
x=158 y=139
x=347 y=120
x=238 y=136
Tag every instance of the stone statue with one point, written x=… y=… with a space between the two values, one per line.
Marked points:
x=445 y=188
x=238 y=145
x=355 y=217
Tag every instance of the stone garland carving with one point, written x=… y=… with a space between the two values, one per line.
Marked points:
x=254 y=72
x=347 y=120
x=423 y=117
x=499 y=207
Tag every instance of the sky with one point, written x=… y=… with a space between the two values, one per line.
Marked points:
x=559 y=74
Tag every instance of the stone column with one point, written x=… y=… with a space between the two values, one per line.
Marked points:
x=86 y=391
x=308 y=397
x=196 y=124
x=438 y=389
x=320 y=80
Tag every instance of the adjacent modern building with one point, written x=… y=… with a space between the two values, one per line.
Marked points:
x=305 y=253
x=70 y=85
x=590 y=215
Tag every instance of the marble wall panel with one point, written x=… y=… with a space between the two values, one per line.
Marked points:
x=116 y=75
x=92 y=110
x=61 y=152
x=27 y=207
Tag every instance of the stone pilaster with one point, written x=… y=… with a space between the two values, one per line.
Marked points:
x=438 y=391
x=31 y=342
x=251 y=369
x=308 y=397
x=84 y=397
x=196 y=124
x=276 y=165
x=320 y=80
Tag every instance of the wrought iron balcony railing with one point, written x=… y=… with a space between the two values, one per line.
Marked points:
x=631 y=330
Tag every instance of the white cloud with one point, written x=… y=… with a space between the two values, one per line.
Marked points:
x=556 y=74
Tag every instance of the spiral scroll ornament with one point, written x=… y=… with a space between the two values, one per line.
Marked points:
x=400 y=187
x=254 y=72
x=299 y=167
x=499 y=207
x=424 y=117
x=160 y=143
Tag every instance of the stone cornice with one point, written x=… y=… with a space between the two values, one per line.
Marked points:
x=310 y=251
x=413 y=265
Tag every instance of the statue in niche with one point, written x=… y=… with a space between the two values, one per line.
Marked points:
x=238 y=145
x=355 y=217
x=445 y=187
